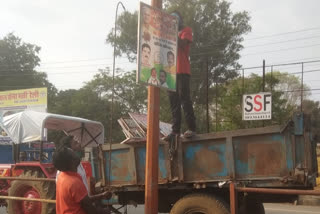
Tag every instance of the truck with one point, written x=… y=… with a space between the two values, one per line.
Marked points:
x=196 y=175
x=222 y=172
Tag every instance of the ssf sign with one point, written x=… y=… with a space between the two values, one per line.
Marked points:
x=257 y=106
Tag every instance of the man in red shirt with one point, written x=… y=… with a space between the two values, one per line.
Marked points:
x=71 y=194
x=182 y=95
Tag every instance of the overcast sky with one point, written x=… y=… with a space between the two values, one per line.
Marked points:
x=72 y=35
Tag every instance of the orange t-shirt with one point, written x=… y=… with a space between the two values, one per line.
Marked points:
x=183 y=64
x=70 y=190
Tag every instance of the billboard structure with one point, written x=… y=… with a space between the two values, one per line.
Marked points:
x=19 y=100
x=157 y=47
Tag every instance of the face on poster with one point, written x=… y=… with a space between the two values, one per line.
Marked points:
x=157 y=48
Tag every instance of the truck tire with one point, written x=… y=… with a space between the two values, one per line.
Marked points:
x=31 y=189
x=200 y=204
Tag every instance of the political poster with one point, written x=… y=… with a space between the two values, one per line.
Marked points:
x=157 y=47
x=19 y=100
x=257 y=106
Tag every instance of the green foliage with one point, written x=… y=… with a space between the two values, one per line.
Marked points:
x=94 y=100
x=230 y=102
x=218 y=33
x=312 y=108
x=126 y=39
x=18 y=62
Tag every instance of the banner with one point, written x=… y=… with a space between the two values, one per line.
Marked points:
x=157 y=47
x=257 y=106
x=19 y=100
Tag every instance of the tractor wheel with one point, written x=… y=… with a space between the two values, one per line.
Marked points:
x=199 y=204
x=31 y=189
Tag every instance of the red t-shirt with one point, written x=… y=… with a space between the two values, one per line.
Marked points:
x=70 y=190
x=183 y=64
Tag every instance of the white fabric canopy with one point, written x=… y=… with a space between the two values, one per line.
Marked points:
x=28 y=126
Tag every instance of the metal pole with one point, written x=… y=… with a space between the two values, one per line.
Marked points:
x=217 y=105
x=241 y=97
x=28 y=179
x=278 y=191
x=41 y=151
x=271 y=78
x=28 y=199
x=113 y=68
x=151 y=176
x=263 y=80
x=301 y=86
x=263 y=75
x=208 y=124
x=233 y=199
x=112 y=96
x=242 y=81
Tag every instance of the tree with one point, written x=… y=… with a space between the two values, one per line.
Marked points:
x=230 y=102
x=291 y=85
x=18 y=62
x=312 y=108
x=93 y=101
x=218 y=33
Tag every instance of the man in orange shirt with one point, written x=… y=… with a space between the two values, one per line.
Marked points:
x=71 y=194
x=182 y=95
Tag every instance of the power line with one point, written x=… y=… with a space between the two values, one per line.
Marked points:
x=284 y=33
x=193 y=54
x=58 y=73
x=243 y=55
x=281 y=42
x=7 y=65
x=273 y=35
x=265 y=44
x=80 y=60
x=261 y=37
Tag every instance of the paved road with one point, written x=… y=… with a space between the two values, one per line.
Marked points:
x=270 y=209
x=290 y=209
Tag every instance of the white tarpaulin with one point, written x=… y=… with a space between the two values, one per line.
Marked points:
x=28 y=126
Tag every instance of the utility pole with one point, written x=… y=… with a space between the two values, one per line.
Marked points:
x=207 y=96
x=263 y=75
x=302 y=70
x=112 y=96
x=263 y=80
x=152 y=147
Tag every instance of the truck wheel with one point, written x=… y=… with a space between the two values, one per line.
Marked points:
x=31 y=189
x=199 y=204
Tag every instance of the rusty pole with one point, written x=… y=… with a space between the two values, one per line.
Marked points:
x=28 y=199
x=151 y=177
x=263 y=81
x=233 y=199
x=278 y=191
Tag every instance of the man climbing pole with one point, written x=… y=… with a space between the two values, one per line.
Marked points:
x=182 y=95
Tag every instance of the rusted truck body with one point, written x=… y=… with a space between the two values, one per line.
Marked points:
x=269 y=157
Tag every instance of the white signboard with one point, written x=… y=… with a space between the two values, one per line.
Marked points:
x=157 y=47
x=257 y=106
